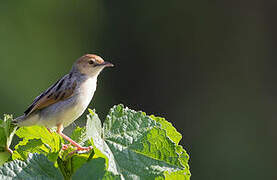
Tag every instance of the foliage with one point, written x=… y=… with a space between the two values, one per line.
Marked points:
x=7 y=130
x=36 y=166
x=130 y=145
x=37 y=139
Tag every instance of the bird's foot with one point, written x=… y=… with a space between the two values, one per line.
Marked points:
x=79 y=148
x=65 y=146
x=84 y=148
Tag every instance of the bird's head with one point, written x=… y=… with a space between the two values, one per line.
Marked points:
x=91 y=65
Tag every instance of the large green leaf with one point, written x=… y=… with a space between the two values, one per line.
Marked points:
x=101 y=149
x=52 y=139
x=37 y=139
x=37 y=167
x=138 y=146
x=175 y=136
x=95 y=169
x=23 y=149
x=70 y=160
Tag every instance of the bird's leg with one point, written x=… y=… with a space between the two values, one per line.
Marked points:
x=79 y=147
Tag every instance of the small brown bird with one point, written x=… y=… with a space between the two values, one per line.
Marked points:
x=67 y=99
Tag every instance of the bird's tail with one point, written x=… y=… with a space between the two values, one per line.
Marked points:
x=29 y=120
x=18 y=121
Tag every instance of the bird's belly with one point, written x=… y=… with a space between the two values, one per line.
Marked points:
x=77 y=110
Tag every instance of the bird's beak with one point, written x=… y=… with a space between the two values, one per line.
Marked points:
x=106 y=64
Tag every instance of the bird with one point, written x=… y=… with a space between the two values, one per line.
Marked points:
x=67 y=99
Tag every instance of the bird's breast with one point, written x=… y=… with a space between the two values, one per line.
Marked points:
x=86 y=92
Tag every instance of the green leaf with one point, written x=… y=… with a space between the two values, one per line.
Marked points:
x=171 y=132
x=176 y=175
x=4 y=156
x=23 y=149
x=101 y=149
x=37 y=139
x=39 y=132
x=79 y=135
x=139 y=146
x=95 y=169
x=35 y=167
x=70 y=161
x=175 y=136
x=7 y=130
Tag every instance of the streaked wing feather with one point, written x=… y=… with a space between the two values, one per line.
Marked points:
x=57 y=92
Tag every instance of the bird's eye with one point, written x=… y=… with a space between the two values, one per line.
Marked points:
x=91 y=62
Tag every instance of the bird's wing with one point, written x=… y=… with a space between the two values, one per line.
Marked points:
x=61 y=90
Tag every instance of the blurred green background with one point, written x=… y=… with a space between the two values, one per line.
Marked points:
x=206 y=66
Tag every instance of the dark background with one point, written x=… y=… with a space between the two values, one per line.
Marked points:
x=209 y=67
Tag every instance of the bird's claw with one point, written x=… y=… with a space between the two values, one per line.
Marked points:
x=65 y=146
